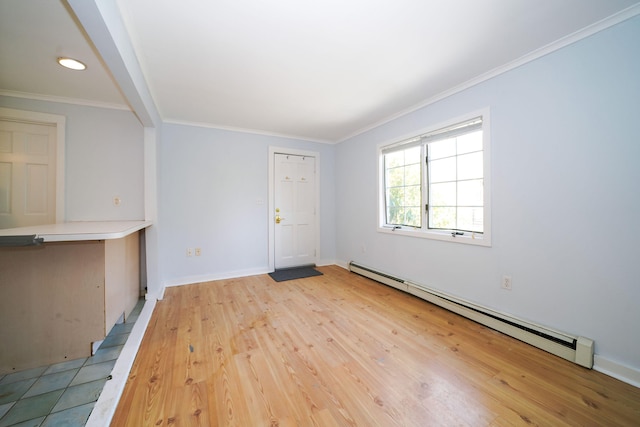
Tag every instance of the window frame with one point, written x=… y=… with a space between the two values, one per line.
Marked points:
x=472 y=238
x=420 y=182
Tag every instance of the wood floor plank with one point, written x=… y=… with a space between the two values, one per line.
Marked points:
x=342 y=350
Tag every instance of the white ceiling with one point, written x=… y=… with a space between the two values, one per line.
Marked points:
x=317 y=70
x=33 y=34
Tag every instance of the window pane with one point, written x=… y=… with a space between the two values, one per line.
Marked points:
x=412 y=155
x=470 y=219
x=470 y=166
x=395 y=177
x=412 y=217
x=395 y=196
x=412 y=196
x=444 y=148
x=470 y=142
x=403 y=182
x=470 y=193
x=442 y=170
x=394 y=215
x=412 y=175
x=442 y=217
x=395 y=159
x=443 y=194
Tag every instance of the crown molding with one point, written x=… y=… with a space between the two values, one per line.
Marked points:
x=246 y=130
x=572 y=38
x=64 y=100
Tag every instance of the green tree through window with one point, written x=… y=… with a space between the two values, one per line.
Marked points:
x=403 y=187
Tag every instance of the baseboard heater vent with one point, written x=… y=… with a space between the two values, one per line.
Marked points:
x=575 y=349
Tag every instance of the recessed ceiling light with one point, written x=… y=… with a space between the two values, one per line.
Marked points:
x=72 y=64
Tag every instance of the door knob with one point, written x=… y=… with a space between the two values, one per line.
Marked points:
x=278 y=219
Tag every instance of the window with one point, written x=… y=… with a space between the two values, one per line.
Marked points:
x=403 y=183
x=436 y=185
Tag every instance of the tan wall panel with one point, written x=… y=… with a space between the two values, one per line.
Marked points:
x=51 y=303
x=122 y=277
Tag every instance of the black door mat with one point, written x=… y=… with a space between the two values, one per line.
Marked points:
x=293 y=273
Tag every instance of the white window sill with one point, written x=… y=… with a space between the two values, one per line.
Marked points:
x=467 y=238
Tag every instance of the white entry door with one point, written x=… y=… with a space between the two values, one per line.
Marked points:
x=295 y=210
x=27 y=174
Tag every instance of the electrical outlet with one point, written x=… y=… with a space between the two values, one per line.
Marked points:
x=189 y=251
x=198 y=252
x=506 y=283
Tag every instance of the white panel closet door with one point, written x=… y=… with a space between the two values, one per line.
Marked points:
x=27 y=174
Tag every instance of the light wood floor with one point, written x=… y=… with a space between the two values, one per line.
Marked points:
x=342 y=350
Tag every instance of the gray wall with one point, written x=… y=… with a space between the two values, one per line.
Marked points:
x=104 y=156
x=210 y=183
x=565 y=203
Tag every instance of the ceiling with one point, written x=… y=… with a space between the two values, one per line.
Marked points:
x=315 y=70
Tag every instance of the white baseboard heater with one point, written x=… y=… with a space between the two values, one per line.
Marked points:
x=575 y=349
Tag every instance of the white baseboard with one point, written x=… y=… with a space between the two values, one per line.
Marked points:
x=105 y=407
x=617 y=370
x=343 y=264
x=217 y=276
x=226 y=275
x=95 y=346
x=155 y=296
x=624 y=373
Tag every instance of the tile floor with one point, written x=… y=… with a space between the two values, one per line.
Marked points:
x=62 y=394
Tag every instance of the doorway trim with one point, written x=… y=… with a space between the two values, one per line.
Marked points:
x=60 y=123
x=271 y=208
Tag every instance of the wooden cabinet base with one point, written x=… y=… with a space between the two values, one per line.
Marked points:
x=58 y=298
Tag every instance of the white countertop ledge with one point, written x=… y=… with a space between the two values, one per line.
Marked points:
x=78 y=231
